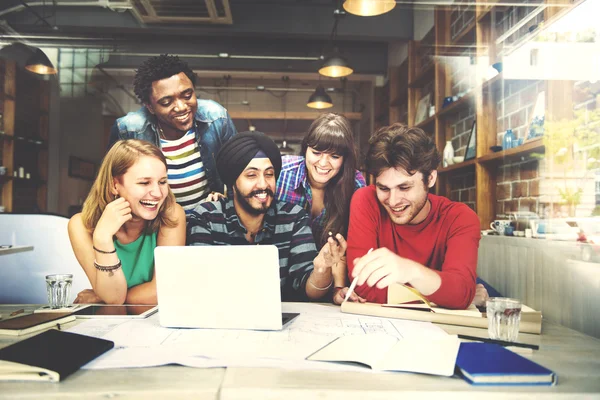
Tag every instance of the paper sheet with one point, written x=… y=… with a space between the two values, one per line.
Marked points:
x=143 y=343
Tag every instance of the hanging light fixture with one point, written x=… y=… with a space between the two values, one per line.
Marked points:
x=335 y=66
x=319 y=99
x=369 y=8
x=39 y=63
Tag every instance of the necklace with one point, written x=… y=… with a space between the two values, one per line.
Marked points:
x=161 y=133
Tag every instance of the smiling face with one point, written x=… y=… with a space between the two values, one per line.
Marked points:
x=173 y=102
x=322 y=166
x=403 y=196
x=255 y=187
x=144 y=186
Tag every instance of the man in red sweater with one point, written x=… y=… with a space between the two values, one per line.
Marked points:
x=417 y=238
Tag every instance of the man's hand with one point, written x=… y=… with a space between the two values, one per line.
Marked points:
x=481 y=295
x=115 y=214
x=383 y=267
x=340 y=294
x=88 y=296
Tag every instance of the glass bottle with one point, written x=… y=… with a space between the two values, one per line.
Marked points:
x=448 y=154
x=509 y=141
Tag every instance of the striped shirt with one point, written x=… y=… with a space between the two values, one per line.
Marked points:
x=293 y=187
x=285 y=226
x=186 y=174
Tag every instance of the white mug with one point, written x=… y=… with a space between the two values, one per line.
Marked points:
x=499 y=225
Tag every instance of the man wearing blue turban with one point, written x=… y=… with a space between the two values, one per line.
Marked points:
x=249 y=165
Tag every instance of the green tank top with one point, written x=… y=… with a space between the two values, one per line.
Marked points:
x=137 y=259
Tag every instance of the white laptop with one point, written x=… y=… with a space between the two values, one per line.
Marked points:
x=225 y=287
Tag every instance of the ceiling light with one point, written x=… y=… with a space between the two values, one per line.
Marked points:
x=39 y=63
x=319 y=99
x=223 y=55
x=369 y=8
x=335 y=66
x=260 y=88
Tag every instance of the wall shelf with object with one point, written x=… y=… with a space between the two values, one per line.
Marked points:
x=457 y=105
x=457 y=167
x=15 y=249
x=533 y=146
x=24 y=138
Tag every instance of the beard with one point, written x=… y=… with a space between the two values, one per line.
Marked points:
x=244 y=200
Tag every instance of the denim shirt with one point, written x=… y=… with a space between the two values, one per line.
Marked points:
x=214 y=128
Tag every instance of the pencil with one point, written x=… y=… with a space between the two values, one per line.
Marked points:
x=353 y=284
x=500 y=342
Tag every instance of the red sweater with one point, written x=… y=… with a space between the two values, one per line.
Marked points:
x=447 y=241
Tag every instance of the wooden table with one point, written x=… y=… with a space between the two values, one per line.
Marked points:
x=575 y=357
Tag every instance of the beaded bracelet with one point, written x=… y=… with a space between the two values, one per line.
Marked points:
x=318 y=288
x=107 y=268
x=104 y=252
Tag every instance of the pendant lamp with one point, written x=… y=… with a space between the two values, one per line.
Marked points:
x=335 y=66
x=319 y=99
x=39 y=63
x=369 y=8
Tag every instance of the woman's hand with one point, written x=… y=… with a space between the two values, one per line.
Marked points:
x=88 y=296
x=339 y=295
x=331 y=253
x=115 y=214
x=214 y=196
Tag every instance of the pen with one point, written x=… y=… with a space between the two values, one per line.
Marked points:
x=353 y=284
x=500 y=342
x=12 y=314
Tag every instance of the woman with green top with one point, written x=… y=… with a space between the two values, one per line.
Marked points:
x=129 y=211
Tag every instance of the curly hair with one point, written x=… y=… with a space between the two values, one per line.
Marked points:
x=401 y=146
x=155 y=69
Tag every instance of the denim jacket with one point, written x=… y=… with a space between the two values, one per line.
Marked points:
x=214 y=129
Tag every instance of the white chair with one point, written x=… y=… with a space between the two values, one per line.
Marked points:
x=22 y=275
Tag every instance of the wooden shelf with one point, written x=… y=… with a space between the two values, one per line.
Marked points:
x=15 y=249
x=457 y=167
x=428 y=74
x=458 y=105
x=426 y=122
x=533 y=146
x=22 y=139
x=28 y=182
x=298 y=115
x=467 y=35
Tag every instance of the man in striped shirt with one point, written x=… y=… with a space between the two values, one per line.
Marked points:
x=190 y=131
x=250 y=164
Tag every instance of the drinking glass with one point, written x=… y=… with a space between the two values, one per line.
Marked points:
x=59 y=289
x=503 y=315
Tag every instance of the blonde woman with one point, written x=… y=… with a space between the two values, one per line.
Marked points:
x=129 y=211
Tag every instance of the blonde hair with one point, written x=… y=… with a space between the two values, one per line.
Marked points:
x=122 y=156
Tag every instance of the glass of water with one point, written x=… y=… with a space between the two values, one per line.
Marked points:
x=503 y=315
x=59 y=290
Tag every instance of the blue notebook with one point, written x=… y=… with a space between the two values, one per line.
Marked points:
x=492 y=364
